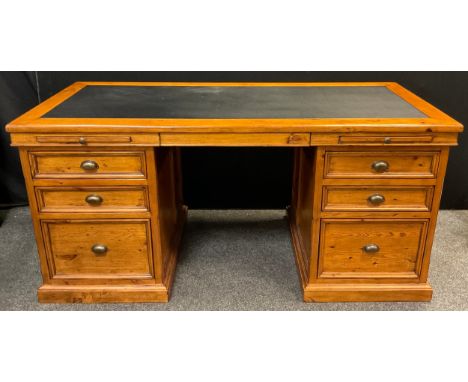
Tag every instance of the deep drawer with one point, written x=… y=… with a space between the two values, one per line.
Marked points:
x=351 y=248
x=98 y=249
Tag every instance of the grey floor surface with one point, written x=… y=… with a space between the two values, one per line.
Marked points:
x=234 y=260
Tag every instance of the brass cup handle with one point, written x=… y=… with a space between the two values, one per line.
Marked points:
x=371 y=248
x=99 y=249
x=89 y=165
x=380 y=166
x=94 y=200
x=376 y=199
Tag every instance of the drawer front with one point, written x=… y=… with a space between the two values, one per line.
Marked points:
x=88 y=164
x=98 y=249
x=388 y=139
x=233 y=139
x=92 y=199
x=343 y=198
x=371 y=249
x=84 y=140
x=383 y=164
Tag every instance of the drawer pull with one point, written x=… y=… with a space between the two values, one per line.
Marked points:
x=99 y=249
x=89 y=165
x=82 y=140
x=371 y=248
x=94 y=200
x=376 y=199
x=380 y=166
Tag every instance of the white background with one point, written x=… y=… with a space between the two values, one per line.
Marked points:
x=237 y=35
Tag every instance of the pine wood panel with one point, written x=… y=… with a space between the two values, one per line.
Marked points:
x=355 y=164
x=435 y=210
x=304 y=196
x=342 y=256
x=73 y=199
x=342 y=198
x=69 y=249
x=62 y=164
x=304 y=214
x=167 y=210
x=33 y=205
x=171 y=211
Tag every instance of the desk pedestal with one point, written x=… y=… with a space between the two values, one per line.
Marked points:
x=110 y=232
x=361 y=232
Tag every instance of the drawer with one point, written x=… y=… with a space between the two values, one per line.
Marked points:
x=84 y=140
x=385 y=139
x=98 y=249
x=78 y=164
x=370 y=198
x=380 y=164
x=92 y=199
x=233 y=139
x=371 y=248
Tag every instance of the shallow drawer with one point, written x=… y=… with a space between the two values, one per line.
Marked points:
x=73 y=140
x=371 y=248
x=233 y=139
x=343 y=198
x=91 y=199
x=90 y=249
x=384 y=164
x=88 y=164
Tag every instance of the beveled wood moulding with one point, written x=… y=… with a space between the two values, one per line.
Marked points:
x=106 y=192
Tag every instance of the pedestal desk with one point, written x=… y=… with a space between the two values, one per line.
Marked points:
x=102 y=168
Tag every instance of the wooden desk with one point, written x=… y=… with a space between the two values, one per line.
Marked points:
x=102 y=169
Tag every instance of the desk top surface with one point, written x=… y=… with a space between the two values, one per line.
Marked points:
x=234 y=102
x=229 y=105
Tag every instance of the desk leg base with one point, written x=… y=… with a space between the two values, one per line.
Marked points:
x=367 y=293
x=98 y=294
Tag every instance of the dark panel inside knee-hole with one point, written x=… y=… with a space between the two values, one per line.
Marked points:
x=223 y=178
